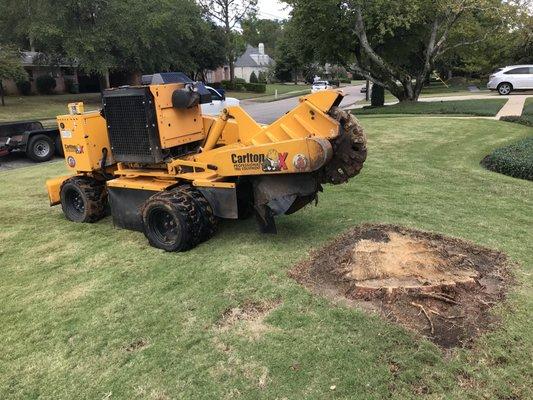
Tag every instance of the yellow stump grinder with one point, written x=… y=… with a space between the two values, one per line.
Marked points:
x=161 y=167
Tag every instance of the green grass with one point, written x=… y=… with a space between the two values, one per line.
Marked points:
x=484 y=107
x=285 y=90
x=438 y=89
x=44 y=107
x=75 y=297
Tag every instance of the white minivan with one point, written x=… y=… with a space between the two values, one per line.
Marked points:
x=514 y=77
x=218 y=102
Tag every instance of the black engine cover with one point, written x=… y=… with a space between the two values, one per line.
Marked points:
x=132 y=124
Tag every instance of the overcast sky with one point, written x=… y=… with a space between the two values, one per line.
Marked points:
x=273 y=9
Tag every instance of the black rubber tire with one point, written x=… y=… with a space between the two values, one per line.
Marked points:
x=171 y=221
x=40 y=148
x=83 y=199
x=505 y=88
x=209 y=223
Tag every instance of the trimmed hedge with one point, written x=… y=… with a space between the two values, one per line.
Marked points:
x=24 y=87
x=524 y=119
x=244 y=87
x=45 y=84
x=515 y=160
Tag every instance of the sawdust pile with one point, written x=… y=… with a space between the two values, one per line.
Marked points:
x=438 y=286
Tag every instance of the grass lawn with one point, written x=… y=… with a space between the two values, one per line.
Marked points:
x=285 y=90
x=438 y=89
x=44 y=107
x=483 y=107
x=89 y=311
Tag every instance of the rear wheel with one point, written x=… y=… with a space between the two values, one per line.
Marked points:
x=171 y=221
x=40 y=148
x=504 y=88
x=83 y=199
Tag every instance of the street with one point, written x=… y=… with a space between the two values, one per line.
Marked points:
x=267 y=113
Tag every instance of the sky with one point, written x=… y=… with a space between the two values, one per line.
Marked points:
x=272 y=9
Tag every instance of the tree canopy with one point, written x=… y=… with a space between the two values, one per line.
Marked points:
x=395 y=43
x=10 y=67
x=128 y=35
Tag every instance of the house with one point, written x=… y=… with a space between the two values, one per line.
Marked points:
x=36 y=65
x=218 y=75
x=253 y=59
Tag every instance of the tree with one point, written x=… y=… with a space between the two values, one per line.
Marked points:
x=207 y=53
x=122 y=35
x=10 y=68
x=229 y=13
x=393 y=43
x=266 y=31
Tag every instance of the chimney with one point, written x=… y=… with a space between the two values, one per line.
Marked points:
x=261 y=48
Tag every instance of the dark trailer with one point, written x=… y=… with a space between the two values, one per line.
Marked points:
x=39 y=143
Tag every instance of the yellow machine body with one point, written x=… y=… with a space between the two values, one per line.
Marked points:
x=279 y=167
x=84 y=136
x=176 y=126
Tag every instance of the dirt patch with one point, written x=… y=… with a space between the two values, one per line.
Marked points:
x=248 y=319
x=438 y=286
x=137 y=345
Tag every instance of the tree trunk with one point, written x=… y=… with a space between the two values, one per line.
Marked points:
x=104 y=80
x=231 y=70
x=2 y=93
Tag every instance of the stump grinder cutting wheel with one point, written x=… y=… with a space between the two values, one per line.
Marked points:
x=161 y=167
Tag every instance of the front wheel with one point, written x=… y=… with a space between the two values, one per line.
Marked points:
x=40 y=148
x=83 y=199
x=504 y=88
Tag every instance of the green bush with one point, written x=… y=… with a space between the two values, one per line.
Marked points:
x=241 y=87
x=255 y=87
x=378 y=96
x=71 y=86
x=515 y=160
x=524 y=120
x=24 y=87
x=253 y=78
x=262 y=78
x=345 y=80
x=45 y=84
x=236 y=85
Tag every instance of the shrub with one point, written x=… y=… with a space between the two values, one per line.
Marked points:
x=262 y=78
x=253 y=78
x=71 y=86
x=515 y=160
x=524 y=120
x=24 y=87
x=345 y=80
x=255 y=87
x=45 y=84
x=236 y=85
x=378 y=96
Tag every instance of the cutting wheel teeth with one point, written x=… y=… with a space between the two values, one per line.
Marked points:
x=349 y=149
